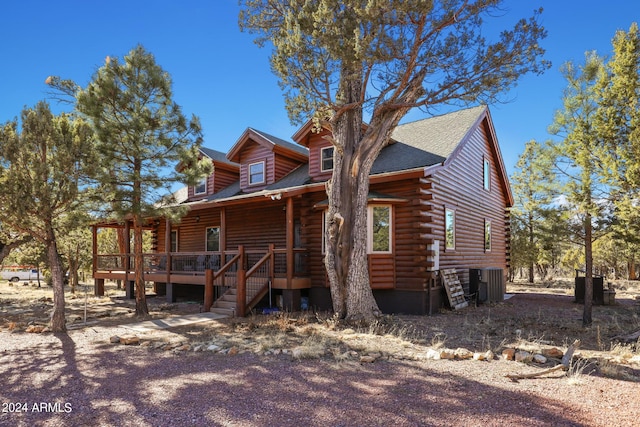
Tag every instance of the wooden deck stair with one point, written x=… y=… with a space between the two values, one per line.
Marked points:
x=454 y=290
x=226 y=304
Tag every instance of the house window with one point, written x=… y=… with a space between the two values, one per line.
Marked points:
x=173 y=245
x=326 y=159
x=201 y=188
x=379 y=229
x=213 y=239
x=256 y=173
x=487 y=174
x=450 y=229
x=487 y=235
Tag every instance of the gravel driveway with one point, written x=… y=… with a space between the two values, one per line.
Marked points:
x=80 y=379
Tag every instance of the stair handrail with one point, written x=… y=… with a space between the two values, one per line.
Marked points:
x=267 y=257
x=211 y=275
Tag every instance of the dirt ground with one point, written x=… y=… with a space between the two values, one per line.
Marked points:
x=350 y=376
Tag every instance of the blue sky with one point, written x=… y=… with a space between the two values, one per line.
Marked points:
x=220 y=75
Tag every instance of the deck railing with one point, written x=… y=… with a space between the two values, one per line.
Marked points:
x=249 y=271
x=199 y=262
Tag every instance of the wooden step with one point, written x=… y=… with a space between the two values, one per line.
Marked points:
x=225 y=304
x=224 y=311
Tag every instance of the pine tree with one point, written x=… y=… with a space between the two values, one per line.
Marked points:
x=578 y=157
x=41 y=167
x=533 y=185
x=618 y=125
x=144 y=144
x=339 y=59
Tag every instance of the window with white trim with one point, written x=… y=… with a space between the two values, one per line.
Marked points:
x=449 y=229
x=326 y=159
x=173 y=243
x=213 y=239
x=487 y=235
x=201 y=188
x=487 y=174
x=379 y=229
x=256 y=173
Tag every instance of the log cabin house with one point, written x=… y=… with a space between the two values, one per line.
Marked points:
x=439 y=199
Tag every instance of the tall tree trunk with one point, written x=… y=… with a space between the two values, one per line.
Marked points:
x=141 y=300
x=346 y=250
x=58 y=322
x=588 y=277
x=531 y=261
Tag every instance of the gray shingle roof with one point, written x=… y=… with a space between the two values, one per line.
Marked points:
x=426 y=142
x=217 y=156
x=419 y=144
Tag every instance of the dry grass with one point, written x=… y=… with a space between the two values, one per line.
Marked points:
x=530 y=326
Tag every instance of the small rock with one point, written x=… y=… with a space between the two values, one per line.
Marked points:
x=130 y=340
x=233 y=351
x=523 y=356
x=367 y=359
x=463 y=354
x=296 y=352
x=447 y=354
x=145 y=344
x=432 y=354
x=114 y=339
x=478 y=356
x=553 y=352
x=35 y=329
x=213 y=347
x=508 y=353
x=538 y=358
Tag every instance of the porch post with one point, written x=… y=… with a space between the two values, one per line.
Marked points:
x=98 y=284
x=290 y=243
x=223 y=246
x=208 y=289
x=290 y=296
x=170 y=295
x=223 y=231
x=241 y=286
x=129 y=285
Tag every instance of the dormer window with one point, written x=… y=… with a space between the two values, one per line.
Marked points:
x=326 y=159
x=201 y=188
x=256 y=173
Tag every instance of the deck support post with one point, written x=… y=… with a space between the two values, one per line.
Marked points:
x=241 y=289
x=291 y=299
x=99 y=287
x=129 y=287
x=208 y=289
x=290 y=242
x=171 y=296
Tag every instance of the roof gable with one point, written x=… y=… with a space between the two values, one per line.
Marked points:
x=269 y=142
